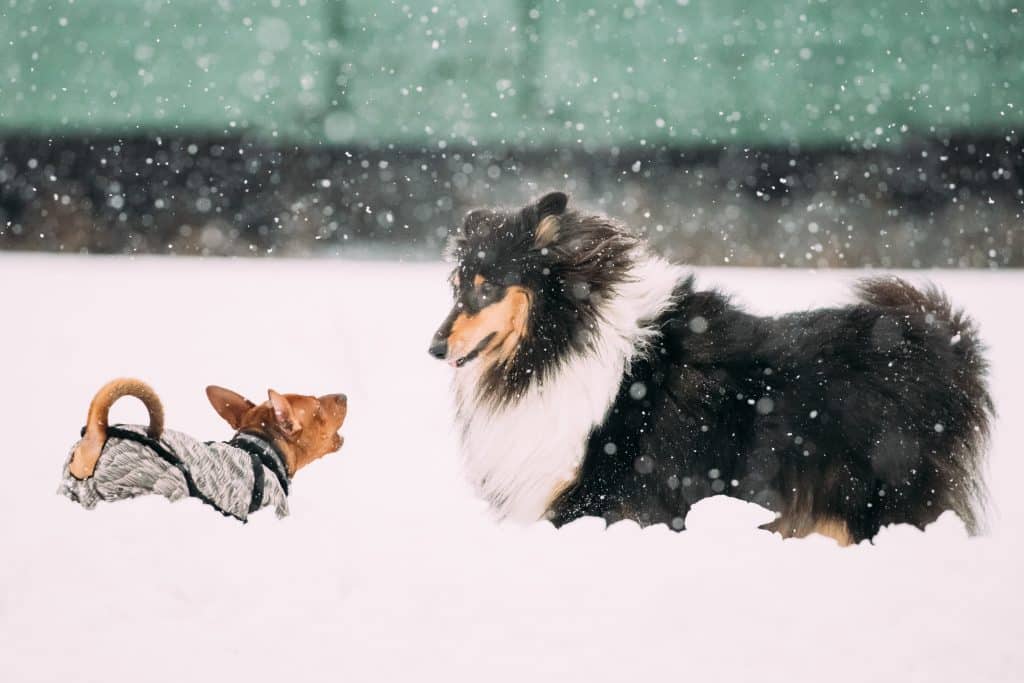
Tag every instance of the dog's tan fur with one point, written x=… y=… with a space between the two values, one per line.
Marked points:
x=302 y=428
x=801 y=527
x=506 y=318
x=547 y=231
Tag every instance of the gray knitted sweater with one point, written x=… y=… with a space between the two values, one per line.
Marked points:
x=236 y=478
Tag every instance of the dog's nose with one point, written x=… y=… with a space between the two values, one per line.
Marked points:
x=341 y=399
x=439 y=347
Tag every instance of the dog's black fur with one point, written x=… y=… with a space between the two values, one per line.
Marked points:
x=870 y=414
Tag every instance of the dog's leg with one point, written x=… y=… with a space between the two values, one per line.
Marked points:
x=797 y=527
x=835 y=529
x=774 y=526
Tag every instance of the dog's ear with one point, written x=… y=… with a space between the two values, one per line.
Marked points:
x=473 y=220
x=549 y=208
x=552 y=204
x=284 y=414
x=229 y=405
x=471 y=225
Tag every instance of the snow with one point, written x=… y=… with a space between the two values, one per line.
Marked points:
x=388 y=568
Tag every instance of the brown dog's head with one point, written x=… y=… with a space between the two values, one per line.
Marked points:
x=304 y=428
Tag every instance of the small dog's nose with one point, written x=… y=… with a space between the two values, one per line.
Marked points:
x=439 y=348
x=342 y=399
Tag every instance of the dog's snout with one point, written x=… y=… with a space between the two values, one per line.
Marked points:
x=336 y=406
x=439 y=347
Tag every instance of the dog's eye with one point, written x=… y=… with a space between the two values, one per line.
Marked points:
x=489 y=292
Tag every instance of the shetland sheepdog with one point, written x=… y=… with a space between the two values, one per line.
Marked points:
x=593 y=378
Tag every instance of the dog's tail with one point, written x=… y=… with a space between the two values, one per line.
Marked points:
x=87 y=453
x=954 y=352
x=933 y=304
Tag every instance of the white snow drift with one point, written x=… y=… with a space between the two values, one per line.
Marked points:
x=389 y=568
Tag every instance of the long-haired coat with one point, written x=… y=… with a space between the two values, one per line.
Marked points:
x=593 y=378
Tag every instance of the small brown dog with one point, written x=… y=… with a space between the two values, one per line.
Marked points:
x=273 y=441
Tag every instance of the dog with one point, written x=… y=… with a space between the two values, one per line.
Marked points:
x=593 y=378
x=273 y=441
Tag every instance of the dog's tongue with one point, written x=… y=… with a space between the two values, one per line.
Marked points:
x=454 y=362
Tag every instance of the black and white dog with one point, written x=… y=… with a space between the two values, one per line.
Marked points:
x=593 y=378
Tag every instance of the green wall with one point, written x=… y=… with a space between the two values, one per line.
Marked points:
x=533 y=73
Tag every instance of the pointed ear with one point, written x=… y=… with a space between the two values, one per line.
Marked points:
x=284 y=415
x=229 y=405
x=549 y=208
x=473 y=220
x=552 y=204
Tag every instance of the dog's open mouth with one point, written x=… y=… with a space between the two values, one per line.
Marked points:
x=474 y=353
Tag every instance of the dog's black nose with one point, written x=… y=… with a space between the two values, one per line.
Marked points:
x=439 y=348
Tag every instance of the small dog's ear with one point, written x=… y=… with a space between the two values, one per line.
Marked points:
x=284 y=415
x=549 y=208
x=229 y=405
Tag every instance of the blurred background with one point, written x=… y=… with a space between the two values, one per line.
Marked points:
x=805 y=133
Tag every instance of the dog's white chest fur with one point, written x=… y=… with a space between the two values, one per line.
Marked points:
x=520 y=456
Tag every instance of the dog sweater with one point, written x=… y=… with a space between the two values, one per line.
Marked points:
x=237 y=478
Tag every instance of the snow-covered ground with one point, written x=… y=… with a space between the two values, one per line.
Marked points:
x=388 y=568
